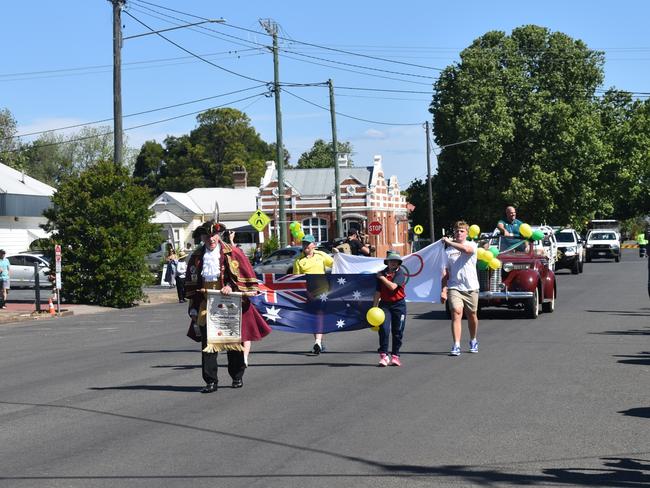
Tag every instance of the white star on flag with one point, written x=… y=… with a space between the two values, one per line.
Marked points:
x=323 y=297
x=341 y=281
x=356 y=295
x=272 y=314
x=340 y=323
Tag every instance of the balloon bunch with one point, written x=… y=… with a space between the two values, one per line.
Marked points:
x=473 y=232
x=527 y=233
x=375 y=318
x=487 y=258
x=296 y=230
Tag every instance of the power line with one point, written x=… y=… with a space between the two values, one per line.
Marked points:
x=194 y=54
x=133 y=114
x=346 y=115
x=263 y=94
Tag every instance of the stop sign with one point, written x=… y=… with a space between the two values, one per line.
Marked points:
x=375 y=227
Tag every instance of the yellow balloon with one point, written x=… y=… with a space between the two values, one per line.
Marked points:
x=299 y=235
x=374 y=328
x=474 y=231
x=525 y=231
x=375 y=316
x=494 y=263
x=484 y=255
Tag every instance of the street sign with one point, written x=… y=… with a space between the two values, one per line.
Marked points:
x=57 y=269
x=418 y=229
x=259 y=220
x=375 y=228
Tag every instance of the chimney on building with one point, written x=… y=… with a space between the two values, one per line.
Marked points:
x=240 y=178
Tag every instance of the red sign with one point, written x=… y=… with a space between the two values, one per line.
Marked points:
x=375 y=228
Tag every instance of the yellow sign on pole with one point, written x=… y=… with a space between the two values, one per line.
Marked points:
x=418 y=229
x=259 y=220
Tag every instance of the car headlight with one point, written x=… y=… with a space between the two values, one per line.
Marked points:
x=589 y=246
x=507 y=267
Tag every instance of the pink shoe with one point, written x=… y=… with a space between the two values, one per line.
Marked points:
x=383 y=359
x=394 y=360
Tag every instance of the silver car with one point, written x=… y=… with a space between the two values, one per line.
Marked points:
x=21 y=270
x=280 y=261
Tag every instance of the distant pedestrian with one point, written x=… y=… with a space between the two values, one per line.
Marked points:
x=4 y=278
x=391 y=298
x=257 y=257
x=181 y=268
x=460 y=286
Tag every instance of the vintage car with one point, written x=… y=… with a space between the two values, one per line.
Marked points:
x=525 y=280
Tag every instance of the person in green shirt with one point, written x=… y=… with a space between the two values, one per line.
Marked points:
x=312 y=261
x=643 y=244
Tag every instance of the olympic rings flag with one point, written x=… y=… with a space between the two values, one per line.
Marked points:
x=423 y=268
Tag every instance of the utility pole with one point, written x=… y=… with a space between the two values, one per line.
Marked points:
x=117 y=80
x=335 y=155
x=272 y=28
x=429 y=189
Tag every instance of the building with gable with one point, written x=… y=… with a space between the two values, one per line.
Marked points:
x=180 y=213
x=366 y=196
x=22 y=202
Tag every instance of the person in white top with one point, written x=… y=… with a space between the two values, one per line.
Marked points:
x=460 y=285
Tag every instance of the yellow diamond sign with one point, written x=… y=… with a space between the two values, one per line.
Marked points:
x=418 y=229
x=259 y=220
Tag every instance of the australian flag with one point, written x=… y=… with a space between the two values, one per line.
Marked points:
x=315 y=303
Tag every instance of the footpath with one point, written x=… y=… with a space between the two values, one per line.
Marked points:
x=22 y=310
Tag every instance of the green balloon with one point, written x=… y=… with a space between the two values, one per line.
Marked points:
x=482 y=265
x=494 y=250
x=538 y=235
x=292 y=225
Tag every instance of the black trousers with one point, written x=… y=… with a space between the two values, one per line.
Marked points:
x=236 y=365
x=180 y=288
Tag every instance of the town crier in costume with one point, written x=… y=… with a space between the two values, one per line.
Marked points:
x=220 y=266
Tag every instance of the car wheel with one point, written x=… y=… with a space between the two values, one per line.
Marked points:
x=549 y=307
x=582 y=265
x=531 y=306
x=575 y=269
x=617 y=258
x=588 y=258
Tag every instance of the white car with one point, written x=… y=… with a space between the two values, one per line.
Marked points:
x=548 y=246
x=603 y=243
x=21 y=270
x=570 y=251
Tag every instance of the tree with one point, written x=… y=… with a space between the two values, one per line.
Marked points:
x=320 y=154
x=8 y=142
x=223 y=141
x=101 y=219
x=529 y=100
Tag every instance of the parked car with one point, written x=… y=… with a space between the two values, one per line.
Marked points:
x=603 y=244
x=525 y=280
x=281 y=260
x=570 y=251
x=21 y=271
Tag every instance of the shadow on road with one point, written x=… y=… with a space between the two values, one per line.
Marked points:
x=642 y=312
x=643 y=359
x=617 y=469
x=159 y=351
x=181 y=389
x=643 y=412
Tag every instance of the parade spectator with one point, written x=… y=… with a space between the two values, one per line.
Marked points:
x=220 y=266
x=509 y=226
x=357 y=247
x=460 y=285
x=257 y=256
x=312 y=261
x=181 y=268
x=4 y=278
x=643 y=244
x=170 y=271
x=390 y=297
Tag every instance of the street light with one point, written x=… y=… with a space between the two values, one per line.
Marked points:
x=429 y=189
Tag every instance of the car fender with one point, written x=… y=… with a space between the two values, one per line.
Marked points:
x=524 y=280
x=549 y=285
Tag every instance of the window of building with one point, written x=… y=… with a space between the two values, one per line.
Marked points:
x=316 y=227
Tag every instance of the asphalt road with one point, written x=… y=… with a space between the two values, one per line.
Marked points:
x=112 y=400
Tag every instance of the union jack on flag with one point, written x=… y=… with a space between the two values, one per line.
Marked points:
x=289 y=286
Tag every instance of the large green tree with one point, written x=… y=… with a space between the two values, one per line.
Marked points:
x=320 y=154
x=529 y=100
x=222 y=141
x=101 y=219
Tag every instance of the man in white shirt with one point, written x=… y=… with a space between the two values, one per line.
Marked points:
x=460 y=285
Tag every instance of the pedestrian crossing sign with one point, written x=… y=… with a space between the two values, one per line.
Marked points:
x=259 y=220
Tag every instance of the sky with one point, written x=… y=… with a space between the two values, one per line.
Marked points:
x=57 y=57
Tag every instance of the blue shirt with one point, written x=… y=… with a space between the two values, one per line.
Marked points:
x=4 y=269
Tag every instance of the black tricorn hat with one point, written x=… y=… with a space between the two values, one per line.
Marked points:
x=209 y=228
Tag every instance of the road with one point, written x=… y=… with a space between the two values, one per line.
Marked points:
x=111 y=401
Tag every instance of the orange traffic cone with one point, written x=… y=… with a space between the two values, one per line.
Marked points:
x=51 y=306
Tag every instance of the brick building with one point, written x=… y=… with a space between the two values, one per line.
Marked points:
x=366 y=196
